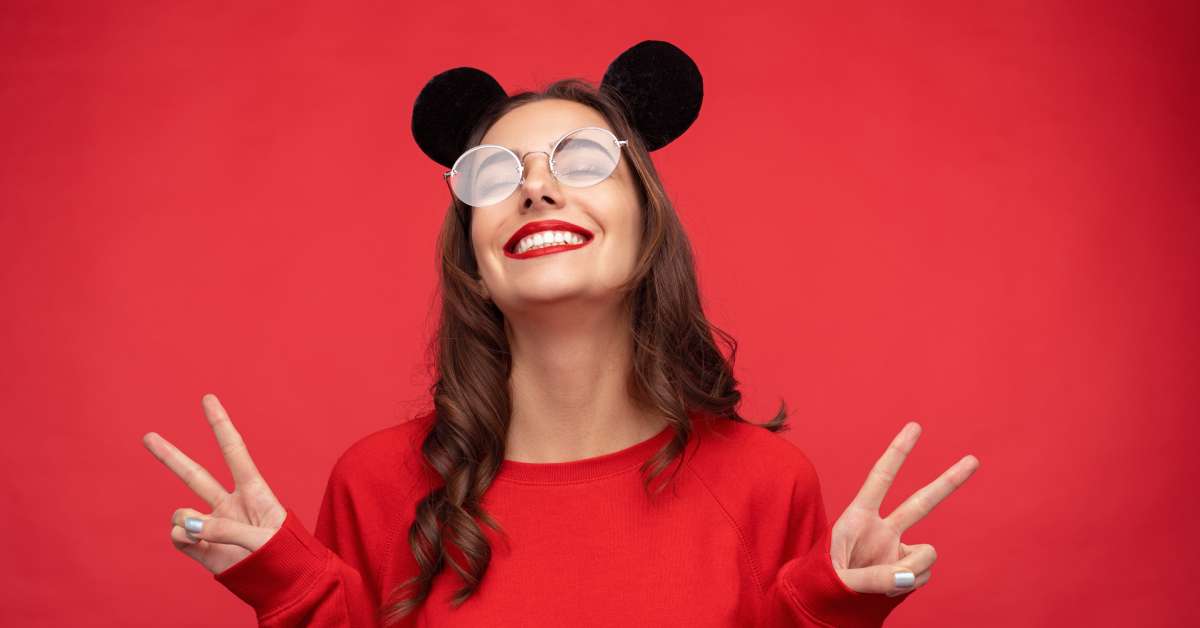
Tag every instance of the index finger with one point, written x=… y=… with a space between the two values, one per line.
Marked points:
x=193 y=475
x=880 y=479
x=233 y=448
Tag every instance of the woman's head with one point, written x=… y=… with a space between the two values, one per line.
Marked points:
x=639 y=260
x=623 y=213
x=609 y=212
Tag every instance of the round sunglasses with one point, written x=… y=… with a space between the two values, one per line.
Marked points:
x=487 y=174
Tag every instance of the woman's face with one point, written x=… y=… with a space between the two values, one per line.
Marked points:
x=609 y=211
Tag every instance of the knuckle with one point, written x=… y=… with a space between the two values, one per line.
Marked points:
x=191 y=475
x=887 y=477
x=213 y=527
x=179 y=538
x=235 y=446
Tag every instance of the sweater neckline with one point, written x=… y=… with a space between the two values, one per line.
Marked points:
x=585 y=468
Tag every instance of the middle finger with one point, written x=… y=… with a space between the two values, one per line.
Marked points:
x=233 y=448
x=923 y=501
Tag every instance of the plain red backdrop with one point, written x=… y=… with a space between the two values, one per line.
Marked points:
x=983 y=218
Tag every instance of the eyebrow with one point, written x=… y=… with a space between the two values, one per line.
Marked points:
x=491 y=159
x=549 y=144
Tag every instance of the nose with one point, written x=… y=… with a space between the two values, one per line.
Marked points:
x=540 y=187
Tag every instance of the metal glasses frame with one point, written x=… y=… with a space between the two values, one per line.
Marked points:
x=521 y=161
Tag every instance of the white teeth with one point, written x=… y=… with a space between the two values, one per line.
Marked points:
x=548 y=238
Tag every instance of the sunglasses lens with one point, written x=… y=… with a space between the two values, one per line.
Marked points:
x=485 y=176
x=586 y=157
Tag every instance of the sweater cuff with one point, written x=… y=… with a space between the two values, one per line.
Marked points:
x=812 y=582
x=280 y=571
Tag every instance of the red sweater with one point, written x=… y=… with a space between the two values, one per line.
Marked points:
x=742 y=541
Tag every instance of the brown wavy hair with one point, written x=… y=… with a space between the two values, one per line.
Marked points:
x=677 y=370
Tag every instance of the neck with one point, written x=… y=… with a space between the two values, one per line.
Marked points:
x=569 y=385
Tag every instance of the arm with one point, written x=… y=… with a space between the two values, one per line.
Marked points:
x=298 y=579
x=863 y=550
x=259 y=550
x=807 y=591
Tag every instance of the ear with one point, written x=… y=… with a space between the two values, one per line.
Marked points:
x=661 y=87
x=659 y=84
x=448 y=108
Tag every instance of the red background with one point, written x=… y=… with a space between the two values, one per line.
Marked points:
x=983 y=218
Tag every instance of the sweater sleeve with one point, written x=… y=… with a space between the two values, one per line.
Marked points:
x=807 y=591
x=298 y=579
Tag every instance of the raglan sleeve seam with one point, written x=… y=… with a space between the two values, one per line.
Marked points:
x=744 y=548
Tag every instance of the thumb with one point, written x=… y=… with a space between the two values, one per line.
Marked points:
x=228 y=531
x=892 y=578
x=898 y=578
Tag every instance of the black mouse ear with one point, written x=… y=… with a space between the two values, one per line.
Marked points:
x=661 y=87
x=448 y=107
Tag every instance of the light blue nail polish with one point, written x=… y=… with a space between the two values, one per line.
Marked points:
x=905 y=579
x=193 y=524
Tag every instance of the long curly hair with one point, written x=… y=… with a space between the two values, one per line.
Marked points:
x=677 y=369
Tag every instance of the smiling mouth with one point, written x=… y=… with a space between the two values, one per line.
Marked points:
x=546 y=250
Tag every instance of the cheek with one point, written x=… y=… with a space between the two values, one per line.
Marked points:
x=633 y=215
x=625 y=227
x=481 y=245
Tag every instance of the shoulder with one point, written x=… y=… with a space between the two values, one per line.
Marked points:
x=766 y=486
x=384 y=457
x=755 y=453
x=751 y=470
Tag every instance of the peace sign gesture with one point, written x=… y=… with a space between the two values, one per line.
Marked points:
x=241 y=521
x=866 y=550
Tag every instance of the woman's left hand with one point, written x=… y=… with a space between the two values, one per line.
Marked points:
x=866 y=549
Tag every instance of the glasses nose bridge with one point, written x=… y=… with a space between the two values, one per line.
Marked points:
x=549 y=163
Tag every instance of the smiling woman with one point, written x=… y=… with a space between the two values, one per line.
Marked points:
x=574 y=366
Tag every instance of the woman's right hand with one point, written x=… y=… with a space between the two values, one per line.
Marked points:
x=239 y=522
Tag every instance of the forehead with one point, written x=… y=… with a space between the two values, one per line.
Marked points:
x=536 y=125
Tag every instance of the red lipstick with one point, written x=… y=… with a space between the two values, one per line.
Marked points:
x=545 y=225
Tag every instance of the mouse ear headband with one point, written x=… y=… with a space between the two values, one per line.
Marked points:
x=659 y=85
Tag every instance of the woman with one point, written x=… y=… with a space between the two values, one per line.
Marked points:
x=576 y=370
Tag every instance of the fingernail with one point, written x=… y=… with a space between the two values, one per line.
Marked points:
x=904 y=579
x=193 y=524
